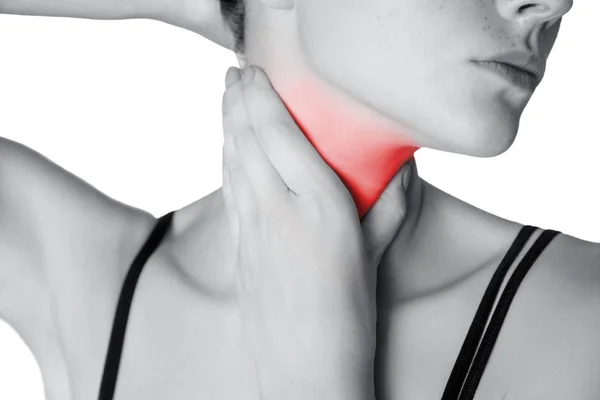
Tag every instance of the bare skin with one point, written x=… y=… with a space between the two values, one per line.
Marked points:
x=183 y=337
x=64 y=261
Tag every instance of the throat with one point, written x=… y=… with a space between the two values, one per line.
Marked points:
x=364 y=148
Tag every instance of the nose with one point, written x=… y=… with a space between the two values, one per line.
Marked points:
x=534 y=12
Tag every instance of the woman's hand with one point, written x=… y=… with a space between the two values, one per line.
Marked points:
x=306 y=266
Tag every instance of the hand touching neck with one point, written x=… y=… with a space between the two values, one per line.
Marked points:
x=364 y=148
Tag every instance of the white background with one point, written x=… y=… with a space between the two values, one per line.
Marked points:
x=134 y=108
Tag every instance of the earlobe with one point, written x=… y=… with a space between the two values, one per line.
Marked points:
x=281 y=4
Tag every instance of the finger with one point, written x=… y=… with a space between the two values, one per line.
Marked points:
x=293 y=156
x=230 y=206
x=268 y=187
x=384 y=219
x=242 y=193
x=232 y=76
x=234 y=227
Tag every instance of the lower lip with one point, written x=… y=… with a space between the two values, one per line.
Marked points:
x=514 y=75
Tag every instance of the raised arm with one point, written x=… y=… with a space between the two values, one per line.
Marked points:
x=52 y=226
x=92 y=9
x=200 y=16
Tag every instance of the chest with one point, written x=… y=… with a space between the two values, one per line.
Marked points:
x=185 y=341
x=547 y=347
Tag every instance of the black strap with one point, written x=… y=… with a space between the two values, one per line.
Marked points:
x=115 y=347
x=469 y=347
x=491 y=334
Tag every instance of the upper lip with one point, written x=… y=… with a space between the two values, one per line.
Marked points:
x=522 y=60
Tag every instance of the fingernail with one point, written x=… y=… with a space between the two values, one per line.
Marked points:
x=233 y=75
x=248 y=73
x=406 y=177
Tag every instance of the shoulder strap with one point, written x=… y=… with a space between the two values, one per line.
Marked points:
x=458 y=375
x=115 y=347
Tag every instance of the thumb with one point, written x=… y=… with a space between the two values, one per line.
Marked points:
x=382 y=221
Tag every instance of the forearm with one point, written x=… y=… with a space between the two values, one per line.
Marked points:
x=92 y=9
x=325 y=380
x=332 y=358
x=200 y=16
x=331 y=390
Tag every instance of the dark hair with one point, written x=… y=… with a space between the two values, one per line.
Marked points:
x=233 y=12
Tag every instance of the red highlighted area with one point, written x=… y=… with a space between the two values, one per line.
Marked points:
x=365 y=149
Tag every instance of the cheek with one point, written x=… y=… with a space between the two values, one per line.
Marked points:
x=411 y=70
x=371 y=50
x=462 y=110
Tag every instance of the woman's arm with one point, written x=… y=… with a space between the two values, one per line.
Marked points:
x=93 y=9
x=200 y=16
x=49 y=221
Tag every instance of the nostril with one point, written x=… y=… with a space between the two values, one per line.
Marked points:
x=541 y=7
x=525 y=7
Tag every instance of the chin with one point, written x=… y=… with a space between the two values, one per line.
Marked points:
x=476 y=137
x=490 y=143
x=500 y=144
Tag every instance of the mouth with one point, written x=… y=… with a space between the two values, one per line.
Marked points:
x=517 y=76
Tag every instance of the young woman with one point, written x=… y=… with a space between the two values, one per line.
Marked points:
x=447 y=102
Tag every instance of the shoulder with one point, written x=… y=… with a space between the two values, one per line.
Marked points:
x=56 y=231
x=568 y=280
x=569 y=264
x=553 y=324
x=574 y=258
x=57 y=211
x=557 y=310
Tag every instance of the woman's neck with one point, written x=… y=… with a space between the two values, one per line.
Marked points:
x=364 y=148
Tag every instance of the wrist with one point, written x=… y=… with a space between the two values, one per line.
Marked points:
x=324 y=377
x=354 y=386
x=332 y=350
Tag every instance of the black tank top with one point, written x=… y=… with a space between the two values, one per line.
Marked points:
x=473 y=356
